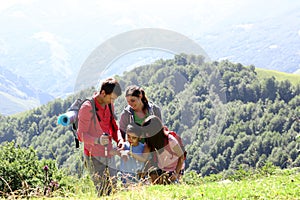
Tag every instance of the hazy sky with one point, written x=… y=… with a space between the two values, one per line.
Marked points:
x=59 y=35
x=85 y=24
x=120 y=15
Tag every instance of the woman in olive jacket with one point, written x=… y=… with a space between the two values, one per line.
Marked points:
x=137 y=110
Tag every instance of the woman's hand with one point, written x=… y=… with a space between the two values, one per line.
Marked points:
x=174 y=176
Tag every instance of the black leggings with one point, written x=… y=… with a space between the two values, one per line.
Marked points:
x=160 y=172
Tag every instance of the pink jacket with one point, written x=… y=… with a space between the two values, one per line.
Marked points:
x=89 y=128
x=166 y=160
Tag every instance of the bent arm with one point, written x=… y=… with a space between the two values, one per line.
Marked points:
x=178 y=151
x=115 y=132
x=141 y=157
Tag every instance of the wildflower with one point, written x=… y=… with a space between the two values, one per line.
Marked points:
x=46 y=168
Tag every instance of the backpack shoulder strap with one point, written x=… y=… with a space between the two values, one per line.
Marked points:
x=180 y=143
x=112 y=117
x=94 y=110
x=111 y=111
x=167 y=146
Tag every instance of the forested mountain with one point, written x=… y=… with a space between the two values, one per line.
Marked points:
x=226 y=115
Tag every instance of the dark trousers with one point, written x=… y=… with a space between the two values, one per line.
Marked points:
x=103 y=173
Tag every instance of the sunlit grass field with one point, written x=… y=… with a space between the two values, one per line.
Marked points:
x=277 y=184
x=273 y=187
x=280 y=76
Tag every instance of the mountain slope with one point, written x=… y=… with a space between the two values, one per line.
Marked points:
x=280 y=76
x=17 y=95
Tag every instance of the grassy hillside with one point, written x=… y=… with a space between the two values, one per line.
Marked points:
x=271 y=187
x=280 y=76
x=274 y=184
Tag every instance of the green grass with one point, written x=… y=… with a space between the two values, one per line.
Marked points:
x=271 y=187
x=280 y=76
x=282 y=184
x=265 y=183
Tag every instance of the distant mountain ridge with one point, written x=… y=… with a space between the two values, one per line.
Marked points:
x=17 y=95
x=50 y=60
x=271 y=43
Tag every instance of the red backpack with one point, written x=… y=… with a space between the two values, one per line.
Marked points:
x=178 y=138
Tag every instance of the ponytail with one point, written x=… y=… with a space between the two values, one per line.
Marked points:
x=144 y=100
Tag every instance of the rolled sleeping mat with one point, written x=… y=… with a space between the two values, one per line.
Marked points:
x=67 y=118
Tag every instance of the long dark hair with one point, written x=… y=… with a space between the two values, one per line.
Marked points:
x=157 y=142
x=135 y=91
x=155 y=136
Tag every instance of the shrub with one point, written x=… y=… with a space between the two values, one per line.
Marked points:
x=22 y=173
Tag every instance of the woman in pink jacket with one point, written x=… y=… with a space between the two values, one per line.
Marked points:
x=166 y=148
